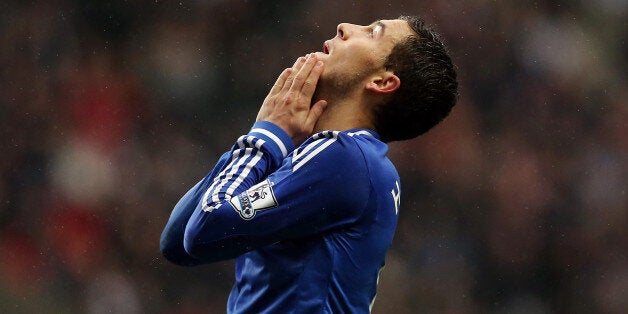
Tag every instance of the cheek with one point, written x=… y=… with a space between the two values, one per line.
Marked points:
x=346 y=64
x=350 y=61
x=360 y=58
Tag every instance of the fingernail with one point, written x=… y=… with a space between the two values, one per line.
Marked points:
x=319 y=63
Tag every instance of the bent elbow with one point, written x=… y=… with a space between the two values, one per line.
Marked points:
x=174 y=252
x=197 y=249
x=191 y=247
x=207 y=252
x=210 y=237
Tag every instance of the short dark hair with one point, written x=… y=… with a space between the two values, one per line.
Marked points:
x=428 y=87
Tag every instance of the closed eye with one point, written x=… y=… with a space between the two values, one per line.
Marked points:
x=376 y=30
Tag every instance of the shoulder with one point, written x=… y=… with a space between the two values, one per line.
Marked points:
x=334 y=148
x=334 y=161
x=374 y=152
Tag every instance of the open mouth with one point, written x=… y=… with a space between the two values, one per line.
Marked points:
x=326 y=48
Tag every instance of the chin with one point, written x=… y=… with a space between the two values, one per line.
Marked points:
x=321 y=56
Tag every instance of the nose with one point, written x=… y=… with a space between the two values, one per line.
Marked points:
x=342 y=31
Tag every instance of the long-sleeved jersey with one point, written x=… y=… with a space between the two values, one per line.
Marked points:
x=309 y=228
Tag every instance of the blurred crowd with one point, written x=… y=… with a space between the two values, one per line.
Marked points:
x=111 y=110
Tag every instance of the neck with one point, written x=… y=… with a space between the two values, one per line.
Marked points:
x=344 y=114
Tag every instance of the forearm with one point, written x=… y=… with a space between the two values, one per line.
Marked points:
x=327 y=189
x=254 y=157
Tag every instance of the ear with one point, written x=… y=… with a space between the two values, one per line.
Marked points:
x=384 y=83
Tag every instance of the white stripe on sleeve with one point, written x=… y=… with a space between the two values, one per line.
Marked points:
x=231 y=173
x=234 y=159
x=234 y=168
x=273 y=137
x=243 y=175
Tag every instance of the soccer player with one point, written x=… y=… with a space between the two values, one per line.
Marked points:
x=307 y=201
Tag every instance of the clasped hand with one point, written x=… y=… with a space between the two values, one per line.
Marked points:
x=288 y=102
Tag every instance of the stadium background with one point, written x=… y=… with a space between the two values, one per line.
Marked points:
x=110 y=110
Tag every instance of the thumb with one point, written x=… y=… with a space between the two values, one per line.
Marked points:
x=315 y=112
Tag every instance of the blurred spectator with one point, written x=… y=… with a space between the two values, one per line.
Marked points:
x=110 y=111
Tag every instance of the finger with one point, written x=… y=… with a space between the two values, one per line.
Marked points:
x=281 y=80
x=310 y=82
x=299 y=62
x=315 y=112
x=303 y=74
x=295 y=69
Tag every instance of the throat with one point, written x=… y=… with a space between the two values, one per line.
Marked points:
x=342 y=116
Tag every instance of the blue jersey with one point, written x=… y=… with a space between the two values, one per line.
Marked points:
x=309 y=228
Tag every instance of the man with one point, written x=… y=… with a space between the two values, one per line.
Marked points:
x=310 y=226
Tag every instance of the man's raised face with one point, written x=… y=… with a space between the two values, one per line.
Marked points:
x=357 y=51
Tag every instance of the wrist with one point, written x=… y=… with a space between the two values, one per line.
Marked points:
x=277 y=139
